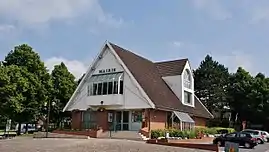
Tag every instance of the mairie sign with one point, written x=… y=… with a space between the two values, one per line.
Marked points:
x=231 y=147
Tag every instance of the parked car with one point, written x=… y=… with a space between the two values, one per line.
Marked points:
x=266 y=135
x=242 y=138
x=31 y=128
x=257 y=134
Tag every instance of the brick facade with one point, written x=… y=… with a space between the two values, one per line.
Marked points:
x=76 y=119
x=199 y=121
x=153 y=119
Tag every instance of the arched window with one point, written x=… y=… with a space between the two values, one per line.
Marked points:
x=187 y=79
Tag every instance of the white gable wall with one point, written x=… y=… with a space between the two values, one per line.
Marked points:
x=175 y=83
x=132 y=97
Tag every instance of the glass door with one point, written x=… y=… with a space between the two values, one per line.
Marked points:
x=118 y=120
x=125 y=122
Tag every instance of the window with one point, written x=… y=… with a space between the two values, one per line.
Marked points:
x=105 y=88
x=99 y=88
x=187 y=79
x=187 y=97
x=94 y=89
x=230 y=135
x=105 y=84
x=121 y=87
x=242 y=135
x=115 y=89
x=110 y=88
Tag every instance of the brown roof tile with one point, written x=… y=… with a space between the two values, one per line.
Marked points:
x=171 y=68
x=147 y=75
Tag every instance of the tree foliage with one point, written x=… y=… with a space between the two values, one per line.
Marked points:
x=210 y=80
x=29 y=82
x=64 y=85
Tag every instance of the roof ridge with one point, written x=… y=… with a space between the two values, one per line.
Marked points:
x=121 y=48
x=171 y=60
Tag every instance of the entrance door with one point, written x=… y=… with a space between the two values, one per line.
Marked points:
x=125 y=120
x=122 y=120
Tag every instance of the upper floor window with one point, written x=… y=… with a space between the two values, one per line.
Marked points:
x=187 y=79
x=105 y=84
x=187 y=97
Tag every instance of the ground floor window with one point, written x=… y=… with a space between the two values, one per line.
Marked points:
x=89 y=120
x=105 y=84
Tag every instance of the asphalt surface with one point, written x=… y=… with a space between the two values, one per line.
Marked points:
x=258 y=148
x=27 y=144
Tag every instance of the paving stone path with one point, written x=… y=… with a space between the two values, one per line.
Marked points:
x=27 y=144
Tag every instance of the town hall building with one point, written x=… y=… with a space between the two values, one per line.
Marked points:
x=124 y=91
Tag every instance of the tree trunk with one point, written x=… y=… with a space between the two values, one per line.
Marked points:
x=26 y=128
x=19 y=129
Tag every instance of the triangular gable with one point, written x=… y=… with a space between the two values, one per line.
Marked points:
x=92 y=68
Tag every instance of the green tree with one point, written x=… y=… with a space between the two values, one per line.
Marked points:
x=259 y=97
x=38 y=78
x=18 y=94
x=64 y=85
x=239 y=92
x=210 y=80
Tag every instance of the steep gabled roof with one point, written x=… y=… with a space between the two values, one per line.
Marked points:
x=148 y=75
x=171 y=68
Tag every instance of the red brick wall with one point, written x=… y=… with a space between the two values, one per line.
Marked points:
x=102 y=119
x=157 y=119
x=76 y=119
x=199 y=121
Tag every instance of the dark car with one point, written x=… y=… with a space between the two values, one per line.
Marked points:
x=242 y=138
x=257 y=134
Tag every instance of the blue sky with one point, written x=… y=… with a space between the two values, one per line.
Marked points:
x=234 y=32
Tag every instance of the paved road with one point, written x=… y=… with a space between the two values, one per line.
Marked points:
x=259 y=148
x=27 y=144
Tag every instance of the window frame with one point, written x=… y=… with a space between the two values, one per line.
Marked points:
x=187 y=80
x=99 y=81
x=189 y=96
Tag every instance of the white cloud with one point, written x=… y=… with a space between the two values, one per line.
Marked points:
x=214 y=8
x=177 y=44
x=34 y=12
x=77 y=68
x=237 y=59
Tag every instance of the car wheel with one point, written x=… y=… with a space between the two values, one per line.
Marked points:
x=247 y=145
x=260 y=141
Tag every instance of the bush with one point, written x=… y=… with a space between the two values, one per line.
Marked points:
x=190 y=133
x=157 y=133
x=213 y=130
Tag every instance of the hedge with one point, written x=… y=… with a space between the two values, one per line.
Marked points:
x=173 y=133
x=190 y=133
x=213 y=130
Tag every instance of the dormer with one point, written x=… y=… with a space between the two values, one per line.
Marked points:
x=178 y=76
x=187 y=86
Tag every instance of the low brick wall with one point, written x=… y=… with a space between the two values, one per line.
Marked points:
x=210 y=147
x=144 y=131
x=202 y=140
x=90 y=133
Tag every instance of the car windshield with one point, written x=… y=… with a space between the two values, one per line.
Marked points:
x=252 y=132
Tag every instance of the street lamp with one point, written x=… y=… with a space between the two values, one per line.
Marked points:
x=48 y=117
